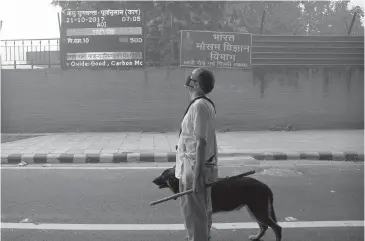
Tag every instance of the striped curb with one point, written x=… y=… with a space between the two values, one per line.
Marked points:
x=132 y=157
x=87 y=158
x=171 y=157
x=322 y=156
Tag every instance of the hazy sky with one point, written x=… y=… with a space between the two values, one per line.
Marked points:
x=26 y=19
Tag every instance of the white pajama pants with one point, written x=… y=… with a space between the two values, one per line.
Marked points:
x=197 y=208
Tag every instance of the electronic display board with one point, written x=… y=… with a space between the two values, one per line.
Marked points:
x=105 y=38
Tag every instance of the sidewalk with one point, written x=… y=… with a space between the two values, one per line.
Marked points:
x=338 y=145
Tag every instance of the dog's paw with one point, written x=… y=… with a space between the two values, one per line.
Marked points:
x=254 y=238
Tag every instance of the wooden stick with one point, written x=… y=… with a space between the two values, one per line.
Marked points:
x=207 y=185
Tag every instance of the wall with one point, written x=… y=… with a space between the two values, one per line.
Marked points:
x=43 y=58
x=52 y=100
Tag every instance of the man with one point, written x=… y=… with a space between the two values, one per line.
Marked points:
x=196 y=162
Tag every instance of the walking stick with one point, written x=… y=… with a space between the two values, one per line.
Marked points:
x=207 y=185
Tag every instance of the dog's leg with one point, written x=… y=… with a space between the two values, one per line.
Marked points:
x=274 y=225
x=260 y=234
x=262 y=226
x=263 y=215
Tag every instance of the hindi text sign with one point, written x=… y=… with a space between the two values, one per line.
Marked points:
x=215 y=49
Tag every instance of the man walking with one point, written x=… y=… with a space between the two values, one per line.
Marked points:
x=196 y=162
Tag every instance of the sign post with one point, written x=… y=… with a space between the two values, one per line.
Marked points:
x=1 y=63
x=103 y=38
x=215 y=49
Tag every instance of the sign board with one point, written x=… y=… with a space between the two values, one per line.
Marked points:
x=215 y=49
x=104 y=38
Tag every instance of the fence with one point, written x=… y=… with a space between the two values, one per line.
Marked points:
x=307 y=50
x=267 y=50
x=30 y=53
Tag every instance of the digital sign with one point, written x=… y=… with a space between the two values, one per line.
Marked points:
x=105 y=38
x=215 y=49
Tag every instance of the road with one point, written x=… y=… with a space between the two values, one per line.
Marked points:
x=312 y=201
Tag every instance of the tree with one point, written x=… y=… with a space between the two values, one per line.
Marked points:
x=358 y=7
x=168 y=18
x=330 y=18
x=294 y=17
x=248 y=16
x=286 y=19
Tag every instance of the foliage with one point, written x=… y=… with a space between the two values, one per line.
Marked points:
x=330 y=18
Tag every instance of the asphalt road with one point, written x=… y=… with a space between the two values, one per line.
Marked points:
x=121 y=196
x=337 y=234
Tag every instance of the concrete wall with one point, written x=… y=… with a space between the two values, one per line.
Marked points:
x=154 y=99
x=43 y=58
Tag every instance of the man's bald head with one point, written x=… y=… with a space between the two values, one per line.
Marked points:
x=205 y=79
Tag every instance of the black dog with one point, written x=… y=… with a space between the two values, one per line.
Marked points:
x=234 y=194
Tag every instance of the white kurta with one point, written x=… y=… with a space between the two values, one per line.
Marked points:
x=199 y=122
x=196 y=209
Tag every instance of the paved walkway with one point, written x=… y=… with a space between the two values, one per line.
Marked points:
x=115 y=147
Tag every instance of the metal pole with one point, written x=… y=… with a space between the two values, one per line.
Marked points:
x=14 y=55
x=24 y=52
x=49 y=54
x=1 y=62
x=171 y=40
x=60 y=41
x=144 y=34
x=31 y=50
x=59 y=22
x=352 y=24
x=262 y=21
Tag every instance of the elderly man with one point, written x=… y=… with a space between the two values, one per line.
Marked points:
x=196 y=162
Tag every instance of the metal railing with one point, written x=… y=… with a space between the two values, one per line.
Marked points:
x=276 y=50
x=30 y=53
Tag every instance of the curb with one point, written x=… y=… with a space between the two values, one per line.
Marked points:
x=171 y=157
x=321 y=156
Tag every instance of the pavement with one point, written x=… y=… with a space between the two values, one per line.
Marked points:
x=317 y=201
x=334 y=145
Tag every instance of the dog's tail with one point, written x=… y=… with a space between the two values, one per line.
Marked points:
x=271 y=208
